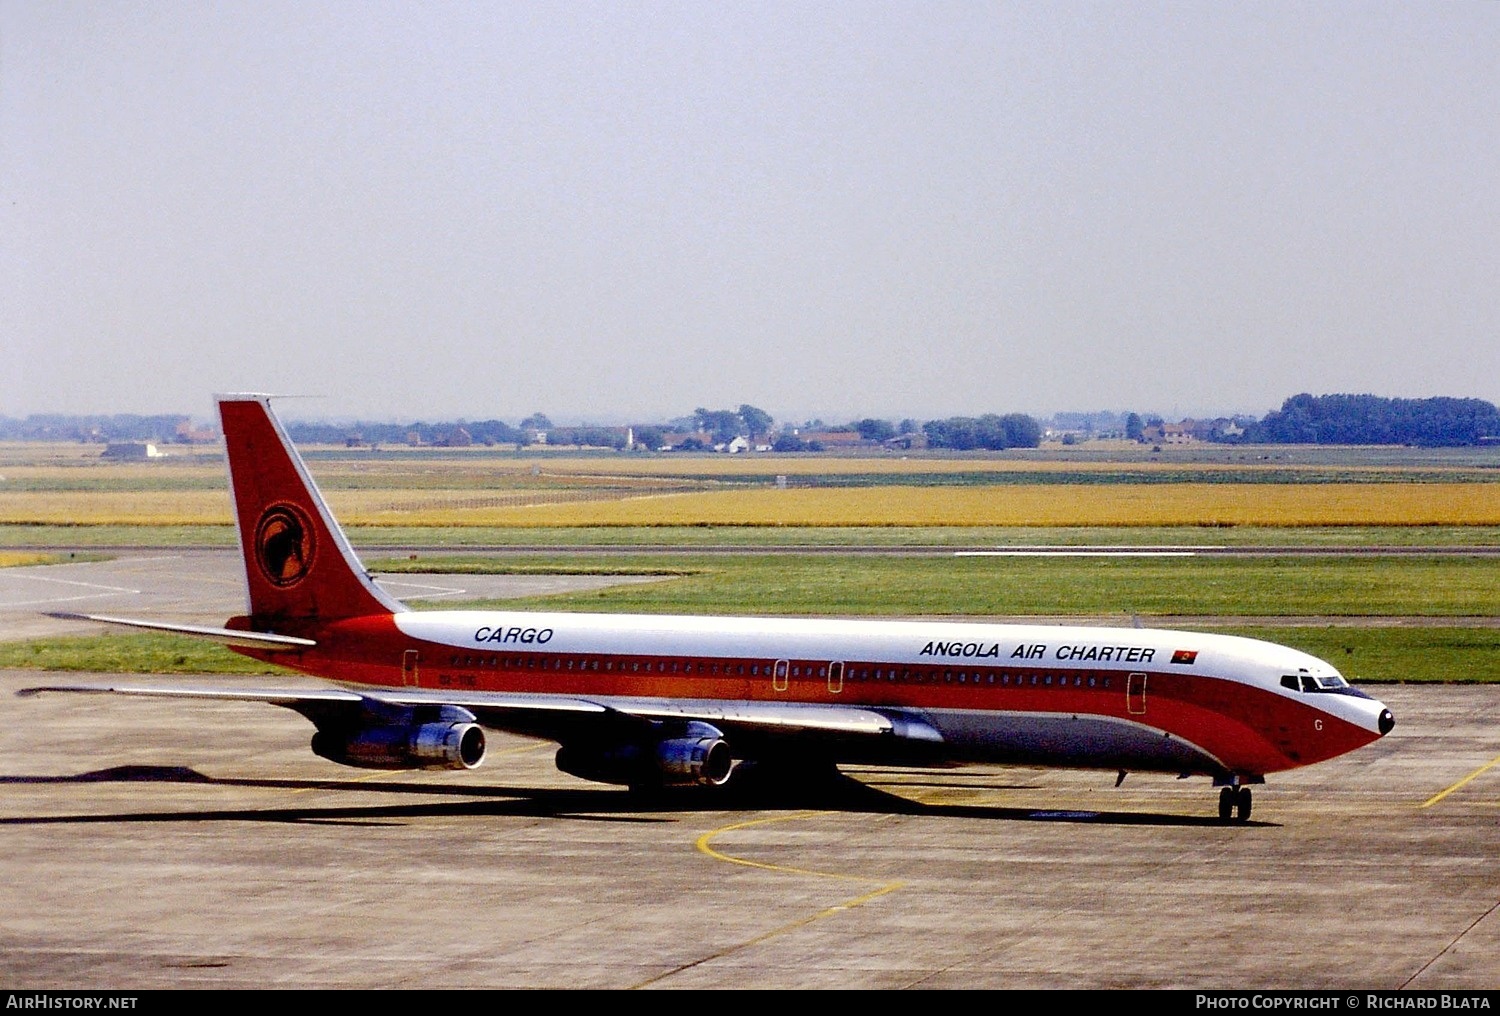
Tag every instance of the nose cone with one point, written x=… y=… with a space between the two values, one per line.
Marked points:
x=1387 y=722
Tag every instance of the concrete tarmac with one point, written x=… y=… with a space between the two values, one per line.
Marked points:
x=207 y=586
x=166 y=844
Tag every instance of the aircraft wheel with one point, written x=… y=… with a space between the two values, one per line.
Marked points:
x=1242 y=805
x=1226 y=804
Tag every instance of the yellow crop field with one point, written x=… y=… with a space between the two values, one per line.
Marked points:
x=18 y=558
x=1185 y=504
x=1119 y=504
x=102 y=508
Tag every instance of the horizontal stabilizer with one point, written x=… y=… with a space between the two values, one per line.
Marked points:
x=227 y=636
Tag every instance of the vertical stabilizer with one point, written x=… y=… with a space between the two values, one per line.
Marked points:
x=298 y=565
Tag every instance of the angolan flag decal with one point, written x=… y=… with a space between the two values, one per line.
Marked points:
x=1185 y=656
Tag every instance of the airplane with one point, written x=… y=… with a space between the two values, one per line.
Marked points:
x=654 y=702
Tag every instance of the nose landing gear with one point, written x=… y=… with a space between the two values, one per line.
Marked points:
x=1234 y=804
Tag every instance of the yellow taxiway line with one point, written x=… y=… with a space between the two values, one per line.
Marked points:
x=1435 y=798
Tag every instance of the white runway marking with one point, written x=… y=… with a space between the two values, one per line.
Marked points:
x=103 y=590
x=438 y=591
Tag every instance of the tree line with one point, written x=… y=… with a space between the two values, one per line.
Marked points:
x=1372 y=419
x=1302 y=419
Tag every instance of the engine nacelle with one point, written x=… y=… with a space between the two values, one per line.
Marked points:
x=695 y=755
x=451 y=740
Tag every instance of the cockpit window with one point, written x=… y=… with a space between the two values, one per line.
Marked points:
x=1309 y=683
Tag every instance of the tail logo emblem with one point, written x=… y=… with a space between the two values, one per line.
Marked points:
x=284 y=545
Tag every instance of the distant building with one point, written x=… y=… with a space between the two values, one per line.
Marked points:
x=906 y=442
x=685 y=441
x=131 y=451
x=188 y=434
x=1220 y=429
x=1170 y=433
x=832 y=439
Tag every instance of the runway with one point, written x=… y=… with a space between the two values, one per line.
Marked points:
x=200 y=844
x=207 y=586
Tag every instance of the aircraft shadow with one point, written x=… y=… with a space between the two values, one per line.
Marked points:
x=837 y=793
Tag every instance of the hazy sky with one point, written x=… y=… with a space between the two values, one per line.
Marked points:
x=610 y=211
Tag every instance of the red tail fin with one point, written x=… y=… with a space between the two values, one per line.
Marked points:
x=298 y=565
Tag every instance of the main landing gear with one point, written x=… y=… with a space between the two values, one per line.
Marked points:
x=1234 y=804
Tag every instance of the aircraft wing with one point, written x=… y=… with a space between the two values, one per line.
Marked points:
x=289 y=697
x=552 y=715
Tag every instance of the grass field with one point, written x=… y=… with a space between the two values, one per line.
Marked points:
x=1342 y=590
x=1117 y=486
x=1376 y=586
x=1204 y=496
x=129 y=654
x=1396 y=655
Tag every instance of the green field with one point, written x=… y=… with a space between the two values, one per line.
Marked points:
x=1391 y=655
x=1323 y=599
x=1226 y=592
x=940 y=585
x=143 y=653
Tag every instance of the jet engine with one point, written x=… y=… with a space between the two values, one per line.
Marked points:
x=449 y=740
x=695 y=754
